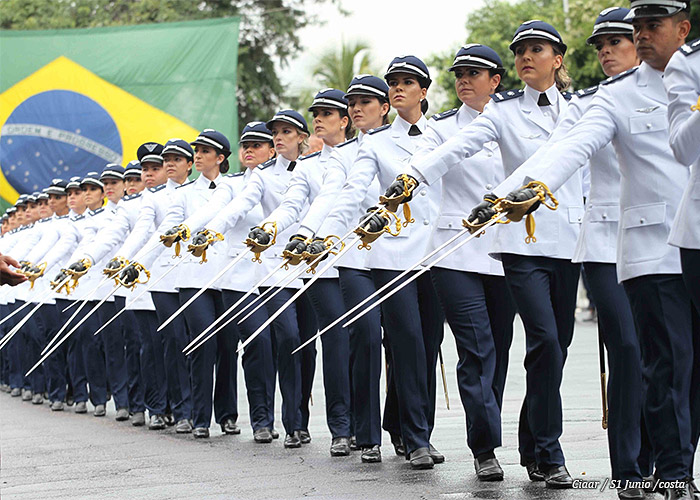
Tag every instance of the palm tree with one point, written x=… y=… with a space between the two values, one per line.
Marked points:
x=336 y=67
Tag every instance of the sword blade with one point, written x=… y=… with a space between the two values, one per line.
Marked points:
x=202 y=290
x=19 y=309
x=192 y=345
x=444 y=379
x=422 y=271
x=316 y=276
x=379 y=291
x=141 y=294
x=45 y=356
x=6 y=339
x=64 y=327
x=88 y=296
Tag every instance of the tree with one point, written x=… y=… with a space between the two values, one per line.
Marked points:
x=268 y=33
x=495 y=23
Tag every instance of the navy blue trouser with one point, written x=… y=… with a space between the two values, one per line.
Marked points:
x=690 y=264
x=306 y=320
x=470 y=300
x=327 y=301
x=544 y=290
x=217 y=355
x=391 y=422
x=630 y=457
x=258 y=368
x=36 y=340
x=114 y=347
x=132 y=356
x=412 y=346
x=93 y=356
x=72 y=357
x=285 y=330
x=152 y=363
x=13 y=349
x=365 y=357
x=177 y=369
x=669 y=335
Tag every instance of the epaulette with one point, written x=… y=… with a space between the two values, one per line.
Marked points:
x=311 y=155
x=507 y=96
x=586 y=92
x=619 y=77
x=567 y=95
x=183 y=185
x=445 y=114
x=691 y=48
x=237 y=174
x=378 y=129
x=157 y=188
x=131 y=197
x=267 y=163
x=78 y=217
x=349 y=141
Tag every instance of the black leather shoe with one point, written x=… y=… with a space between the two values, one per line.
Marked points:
x=534 y=473
x=304 y=436
x=488 y=469
x=421 y=459
x=693 y=488
x=353 y=443
x=169 y=419
x=156 y=423
x=682 y=493
x=630 y=494
x=292 y=440
x=399 y=447
x=138 y=419
x=262 y=435
x=558 y=477
x=230 y=427
x=184 y=426
x=340 y=447
x=438 y=457
x=200 y=432
x=371 y=454
x=275 y=434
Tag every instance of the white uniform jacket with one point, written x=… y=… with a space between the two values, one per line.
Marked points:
x=310 y=175
x=384 y=154
x=682 y=81
x=630 y=111
x=73 y=231
x=520 y=127
x=462 y=187
x=154 y=204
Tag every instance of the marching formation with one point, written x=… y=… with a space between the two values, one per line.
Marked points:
x=371 y=243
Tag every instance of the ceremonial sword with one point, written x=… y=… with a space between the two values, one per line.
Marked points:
x=427 y=268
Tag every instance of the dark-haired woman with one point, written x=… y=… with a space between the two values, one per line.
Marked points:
x=470 y=284
x=413 y=320
x=540 y=276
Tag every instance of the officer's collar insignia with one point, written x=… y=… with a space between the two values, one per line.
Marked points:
x=445 y=114
x=567 y=95
x=132 y=196
x=691 y=48
x=619 y=77
x=185 y=184
x=157 y=188
x=98 y=211
x=588 y=91
x=311 y=155
x=267 y=163
x=350 y=141
x=507 y=95
x=647 y=110
x=378 y=129
x=78 y=217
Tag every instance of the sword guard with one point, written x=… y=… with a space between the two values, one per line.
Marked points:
x=367 y=237
x=293 y=259
x=258 y=248
x=696 y=107
x=392 y=202
x=182 y=233
x=33 y=276
x=328 y=242
x=76 y=275
x=112 y=271
x=200 y=249
x=131 y=285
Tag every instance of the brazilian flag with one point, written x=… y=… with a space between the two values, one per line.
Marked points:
x=72 y=101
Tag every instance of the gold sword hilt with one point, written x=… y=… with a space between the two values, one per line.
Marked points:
x=328 y=242
x=258 y=248
x=131 y=285
x=200 y=250
x=367 y=237
x=183 y=234
x=392 y=202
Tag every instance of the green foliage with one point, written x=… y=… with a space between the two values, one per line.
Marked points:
x=268 y=34
x=495 y=23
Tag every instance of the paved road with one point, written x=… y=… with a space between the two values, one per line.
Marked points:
x=64 y=455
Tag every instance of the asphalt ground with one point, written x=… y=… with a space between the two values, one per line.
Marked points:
x=47 y=455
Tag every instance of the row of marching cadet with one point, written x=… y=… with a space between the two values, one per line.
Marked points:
x=370 y=242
